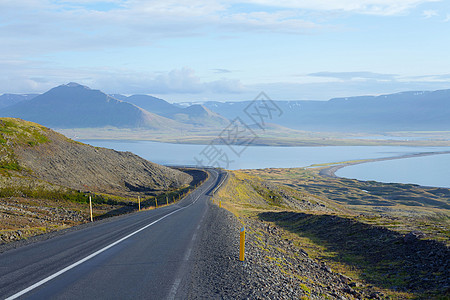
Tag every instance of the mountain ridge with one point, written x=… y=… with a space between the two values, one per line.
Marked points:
x=403 y=111
x=73 y=105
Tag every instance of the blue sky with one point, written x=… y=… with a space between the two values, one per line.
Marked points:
x=226 y=50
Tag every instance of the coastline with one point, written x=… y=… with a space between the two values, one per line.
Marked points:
x=331 y=171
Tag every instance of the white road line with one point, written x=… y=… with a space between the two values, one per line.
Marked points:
x=173 y=291
x=39 y=283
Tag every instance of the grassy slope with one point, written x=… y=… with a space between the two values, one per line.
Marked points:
x=359 y=235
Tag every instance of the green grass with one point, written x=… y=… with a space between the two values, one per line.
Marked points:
x=12 y=165
x=305 y=288
x=22 y=132
x=55 y=194
x=18 y=133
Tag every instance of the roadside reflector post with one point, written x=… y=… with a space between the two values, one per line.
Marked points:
x=167 y=200
x=139 y=203
x=242 y=244
x=220 y=203
x=156 y=202
x=90 y=208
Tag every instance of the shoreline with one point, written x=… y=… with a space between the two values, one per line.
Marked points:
x=331 y=171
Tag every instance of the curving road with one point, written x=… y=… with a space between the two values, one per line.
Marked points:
x=140 y=255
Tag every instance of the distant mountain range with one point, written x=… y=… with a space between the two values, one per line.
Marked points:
x=76 y=106
x=413 y=111
x=11 y=99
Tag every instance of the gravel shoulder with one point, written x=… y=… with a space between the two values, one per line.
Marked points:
x=273 y=269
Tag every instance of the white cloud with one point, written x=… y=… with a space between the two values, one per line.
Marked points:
x=221 y=71
x=280 y=21
x=42 y=26
x=354 y=75
x=177 y=81
x=430 y=13
x=376 y=7
x=447 y=18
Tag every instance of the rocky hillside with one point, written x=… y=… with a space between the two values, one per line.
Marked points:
x=31 y=151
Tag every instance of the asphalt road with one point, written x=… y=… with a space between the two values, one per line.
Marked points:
x=143 y=255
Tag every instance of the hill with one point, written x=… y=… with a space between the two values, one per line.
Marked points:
x=76 y=106
x=407 y=111
x=200 y=116
x=197 y=115
x=33 y=155
x=152 y=104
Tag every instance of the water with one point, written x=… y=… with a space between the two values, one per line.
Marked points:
x=431 y=170
x=258 y=157
x=390 y=138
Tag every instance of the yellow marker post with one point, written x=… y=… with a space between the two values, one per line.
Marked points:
x=242 y=245
x=220 y=203
x=90 y=208
x=139 y=202
x=156 y=202
x=167 y=200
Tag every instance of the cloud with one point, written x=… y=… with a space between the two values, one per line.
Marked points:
x=353 y=75
x=373 y=7
x=226 y=86
x=432 y=78
x=447 y=18
x=177 y=81
x=221 y=71
x=16 y=78
x=430 y=13
x=33 y=27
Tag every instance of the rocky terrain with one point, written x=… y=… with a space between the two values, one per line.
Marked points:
x=22 y=218
x=274 y=268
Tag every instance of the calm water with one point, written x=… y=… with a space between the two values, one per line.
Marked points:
x=258 y=157
x=431 y=170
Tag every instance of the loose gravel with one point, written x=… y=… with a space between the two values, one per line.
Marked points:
x=273 y=267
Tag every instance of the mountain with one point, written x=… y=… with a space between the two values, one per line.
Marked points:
x=394 y=112
x=76 y=106
x=34 y=153
x=152 y=104
x=118 y=97
x=197 y=115
x=11 y=99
